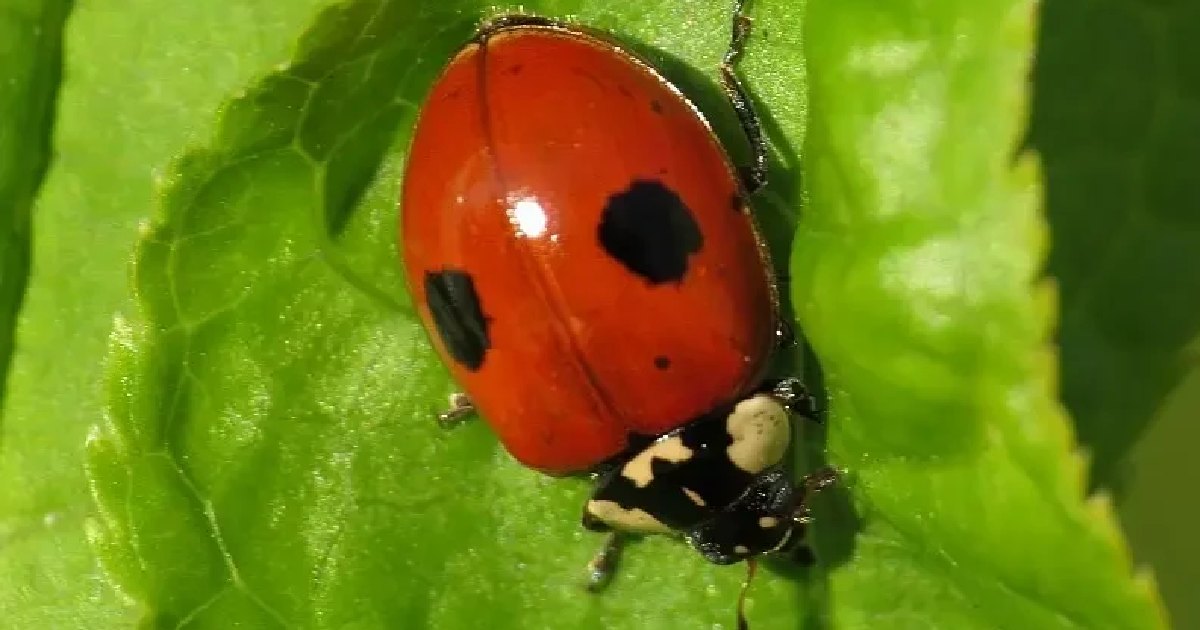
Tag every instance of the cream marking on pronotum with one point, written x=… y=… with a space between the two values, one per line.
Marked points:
x=767 y=522
x=635 y=520
x=638 y=469
x=760 y=432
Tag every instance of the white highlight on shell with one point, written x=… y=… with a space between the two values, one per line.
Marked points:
x=530 y=218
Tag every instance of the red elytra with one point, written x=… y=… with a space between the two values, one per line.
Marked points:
x=576 y=241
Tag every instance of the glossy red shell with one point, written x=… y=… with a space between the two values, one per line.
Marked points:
x=522 y=143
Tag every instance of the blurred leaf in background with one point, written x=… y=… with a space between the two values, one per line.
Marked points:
x=265 y=455
x=48 y=575
x=31 y=61
x=1116 y=118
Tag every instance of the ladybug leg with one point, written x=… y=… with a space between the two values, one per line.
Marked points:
x=793 y=395
x=785 y=334
x=460 y=407
x=796 y=547
x=603 y=565
x=618 y=509
x=754 y=177
x=811 y=484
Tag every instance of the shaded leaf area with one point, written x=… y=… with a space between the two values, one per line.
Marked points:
x=1116 y=117
x=915 y=277
x=269 y=456
x=31 y=65
x=1160 y=524
x=139 y=80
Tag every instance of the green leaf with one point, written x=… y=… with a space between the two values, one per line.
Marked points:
x=30 y=62
x=35 y=544
x=1117 y=120
x=140 y=81
x=1116 y=117
x=268 y=456
x=915 y=274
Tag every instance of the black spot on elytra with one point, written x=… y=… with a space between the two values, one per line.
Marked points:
x=661 y=362
x=458 y=316
x=649 y=230
x=656 y=106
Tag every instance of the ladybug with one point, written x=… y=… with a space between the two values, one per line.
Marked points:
x=581 y=252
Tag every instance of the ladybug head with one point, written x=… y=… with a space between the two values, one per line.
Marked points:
x=720 y=480
x=769 y=517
